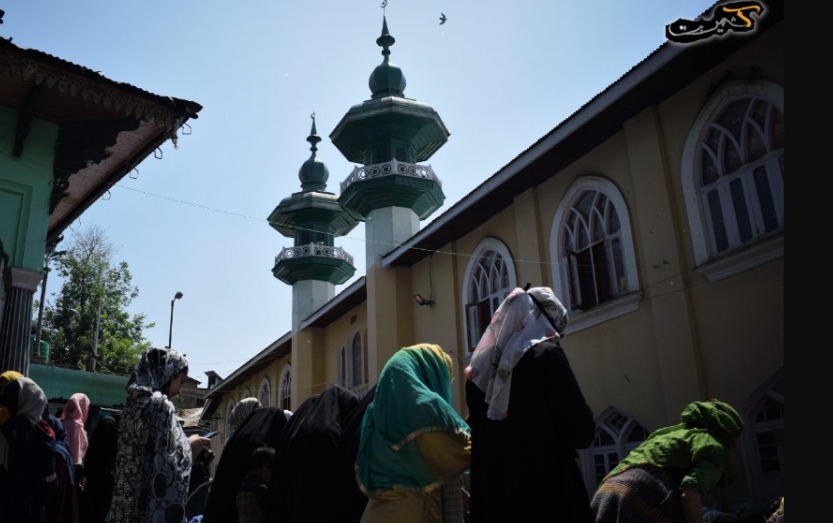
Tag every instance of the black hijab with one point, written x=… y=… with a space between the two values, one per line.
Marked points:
x=262 y=427
x=312 y=458
x=99 y=471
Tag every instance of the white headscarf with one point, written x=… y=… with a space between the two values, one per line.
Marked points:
x=242 y=410
x=517 y=325
x=31 y=400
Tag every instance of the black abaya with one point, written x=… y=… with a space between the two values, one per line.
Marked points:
x=524 y=467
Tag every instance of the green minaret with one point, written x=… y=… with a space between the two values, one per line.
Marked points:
x=387 y=136
x=313 y=217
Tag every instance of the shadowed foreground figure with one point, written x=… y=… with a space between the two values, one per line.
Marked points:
x=96 y=483
x=527 y=415
x=262 y=427
x=667 y=476
x=316 y=455
x=40 y=483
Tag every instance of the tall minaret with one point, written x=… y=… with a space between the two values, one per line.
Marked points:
x=313 y=217
x=387 y=135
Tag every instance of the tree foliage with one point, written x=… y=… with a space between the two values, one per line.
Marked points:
x=93 y=291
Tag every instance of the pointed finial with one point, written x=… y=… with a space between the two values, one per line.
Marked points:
x=385 y=40
x=313 y=137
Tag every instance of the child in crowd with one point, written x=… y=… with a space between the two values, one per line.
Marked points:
x=253 y=496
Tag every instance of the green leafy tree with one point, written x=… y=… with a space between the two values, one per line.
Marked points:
x=88 y=326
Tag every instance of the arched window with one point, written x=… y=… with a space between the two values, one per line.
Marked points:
x=490 y=276
x=285 y=393
x=616 y=435
x=592 y=250
x=356 y=361
x=228 y=429
x=341 y=371
x=733 y=172
x=763 y=439
x=265 y=392
x=364 y=357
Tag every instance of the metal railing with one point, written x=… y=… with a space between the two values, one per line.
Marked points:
x=314 y=249
x=392 y=167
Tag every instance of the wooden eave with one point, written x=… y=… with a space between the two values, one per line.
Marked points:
x=106 y=128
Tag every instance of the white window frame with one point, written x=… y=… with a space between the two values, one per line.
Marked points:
x=618 y=426
x=264 y=392
x=627 y=294
x=285 y=388
x=763 y=246
x=356 y=365
x=764 y=486
x=495 y=295
x=341 y=366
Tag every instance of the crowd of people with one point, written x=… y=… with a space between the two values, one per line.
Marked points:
x=400 y=453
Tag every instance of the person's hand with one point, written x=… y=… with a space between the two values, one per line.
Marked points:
x=197 y=443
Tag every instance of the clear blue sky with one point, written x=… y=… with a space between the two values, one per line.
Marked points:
x=500 y=74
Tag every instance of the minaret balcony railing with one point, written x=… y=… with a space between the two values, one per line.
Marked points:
x=377 y=170
x=313 y=249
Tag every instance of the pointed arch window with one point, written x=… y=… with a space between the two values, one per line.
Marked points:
x=763 y=439
x=356 y=361
x=490 y=276
x=593 y=251
x=285 y=393
x=341 y=371
x=364 y=357
x=617 y=434
x=264 y=393
x=733 y=171
x=592 y=247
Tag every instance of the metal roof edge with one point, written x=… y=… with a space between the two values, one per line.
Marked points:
x=268 y=351
x=334 y=304
x=598 y=104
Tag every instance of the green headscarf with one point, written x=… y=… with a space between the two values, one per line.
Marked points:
x=413 y=397
x=718 y=417
x=699 y=446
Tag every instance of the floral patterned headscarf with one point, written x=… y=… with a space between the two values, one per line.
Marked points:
x=524 y=319
x=155 y=370
x=153 y=464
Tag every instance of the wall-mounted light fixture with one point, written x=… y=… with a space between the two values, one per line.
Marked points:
x=422 y=301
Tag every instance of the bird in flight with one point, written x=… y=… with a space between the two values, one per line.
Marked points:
x=442 y=18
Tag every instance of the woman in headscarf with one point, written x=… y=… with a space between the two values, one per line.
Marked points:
x=311 y=458
x=153 y=463
x=527 y=415
x=96 y=482
x=40 y=486
x=74 y=416
x=260 y=427
x=241 y=411
x=5 y=378
x=667 y=476
x=413 y=446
